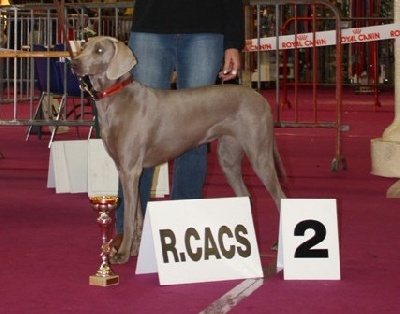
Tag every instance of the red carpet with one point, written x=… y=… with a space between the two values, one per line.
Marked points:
x=51 y=242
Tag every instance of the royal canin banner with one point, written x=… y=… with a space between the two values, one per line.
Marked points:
x=325 y=38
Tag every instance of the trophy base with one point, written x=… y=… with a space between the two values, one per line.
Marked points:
x=103 y=281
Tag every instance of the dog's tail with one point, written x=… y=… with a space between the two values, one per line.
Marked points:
x=280 y=170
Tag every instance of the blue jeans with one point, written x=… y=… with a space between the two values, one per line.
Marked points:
x=197 y=59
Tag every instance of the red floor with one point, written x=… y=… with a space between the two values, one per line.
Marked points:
x=50 y=242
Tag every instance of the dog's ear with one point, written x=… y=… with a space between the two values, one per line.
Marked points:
x=122 y=62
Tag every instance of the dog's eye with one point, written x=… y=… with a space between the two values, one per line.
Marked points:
x=100 y=50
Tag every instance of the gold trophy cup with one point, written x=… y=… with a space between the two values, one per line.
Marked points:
x=104 y=206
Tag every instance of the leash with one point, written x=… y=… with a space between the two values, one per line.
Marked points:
x=86 y=87
x=62 y=25
x=84 y=83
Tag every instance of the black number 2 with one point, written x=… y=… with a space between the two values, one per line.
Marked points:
x=305 y=250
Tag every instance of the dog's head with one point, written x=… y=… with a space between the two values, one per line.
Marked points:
x=104 y=55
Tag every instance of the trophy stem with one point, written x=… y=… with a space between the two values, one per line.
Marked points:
x=104 y=269
x=104 y=275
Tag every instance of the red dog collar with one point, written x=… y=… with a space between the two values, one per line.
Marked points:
x=115 y=88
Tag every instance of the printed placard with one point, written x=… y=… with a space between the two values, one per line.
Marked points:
x=68 y=167
x=84 y=166
x=309 y=240
x=189 y=241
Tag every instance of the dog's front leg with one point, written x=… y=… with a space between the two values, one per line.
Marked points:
x=133 y=218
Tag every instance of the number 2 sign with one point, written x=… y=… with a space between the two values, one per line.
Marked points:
x=309 y=240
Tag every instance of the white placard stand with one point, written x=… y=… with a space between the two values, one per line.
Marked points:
x=68 y=167
x=102 y=175
x=189 y=241
x=84 y=166
x=309 y=240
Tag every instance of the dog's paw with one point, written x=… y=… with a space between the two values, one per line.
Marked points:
x=119 y=258
x=115 y=244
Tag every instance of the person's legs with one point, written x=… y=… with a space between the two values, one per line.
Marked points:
x=199 y=59
x=156 y=56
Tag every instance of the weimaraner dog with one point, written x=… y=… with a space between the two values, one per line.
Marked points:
x=143 y=127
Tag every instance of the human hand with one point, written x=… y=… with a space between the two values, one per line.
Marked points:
x=231 y=66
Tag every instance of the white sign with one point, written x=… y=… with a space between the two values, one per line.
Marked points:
x=188 y=241
x=68 y=166
x=84 y=166
x=309 y=240
x=102 y=174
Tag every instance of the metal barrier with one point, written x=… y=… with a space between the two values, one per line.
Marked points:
x=25 y=25
x=22 y=26
x=291 y=24
x=370 y=64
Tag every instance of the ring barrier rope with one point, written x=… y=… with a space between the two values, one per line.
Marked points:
x=325 y=38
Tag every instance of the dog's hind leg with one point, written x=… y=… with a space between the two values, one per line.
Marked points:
x=230 y=155
x=263 y=165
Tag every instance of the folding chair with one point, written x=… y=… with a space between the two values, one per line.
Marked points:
x=49 y=83
x=55 y=78
x=72 y=89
